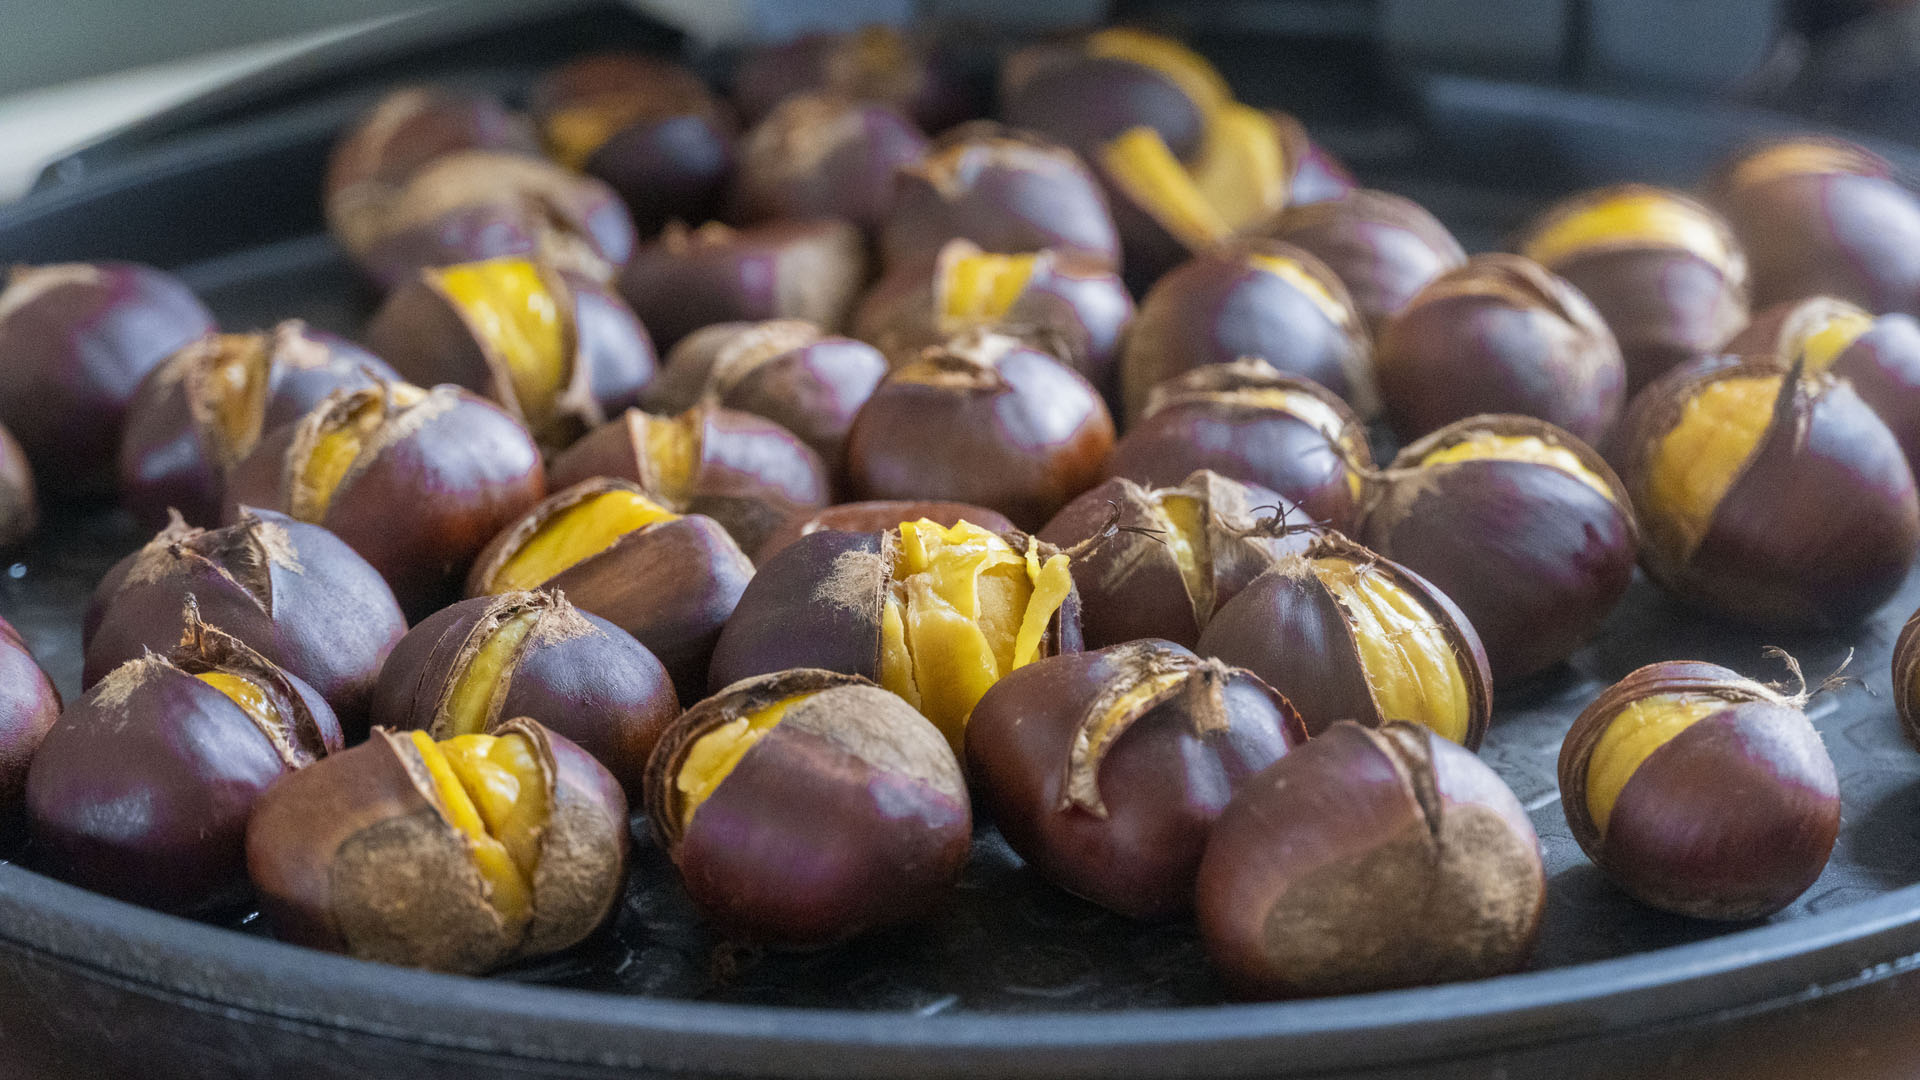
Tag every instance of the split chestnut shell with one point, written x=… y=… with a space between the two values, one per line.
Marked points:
x=878 y=515
x=1383 y=247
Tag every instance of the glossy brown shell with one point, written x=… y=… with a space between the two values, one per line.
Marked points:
x=689 y=278
x=823 y=156
x=878 y=515
x=29 y=704
x=1385 y=248
x=413 y=125
x=878 y=62
x=1081 y=101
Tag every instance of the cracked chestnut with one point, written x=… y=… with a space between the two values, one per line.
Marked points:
x=1084 y=93
x=1383 y=247
x=410 y=127
x=878 y=515
x=878 y=63
x=29 y=704
x=689 y=278
x=823 y=156
x=1879 y=356
x=1906 y=678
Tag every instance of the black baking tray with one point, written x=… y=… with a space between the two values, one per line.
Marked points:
x=1015 y=979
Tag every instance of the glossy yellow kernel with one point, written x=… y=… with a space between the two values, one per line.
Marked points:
x=511 y=309
x=673 y=452
x=333 y=456
x=1240 y=170
x=1834 y=335
x=1405 y=653
x=1635 y=217
x=574 y=134
x=1793 y=159
x=984 y=286
x=1140 y=163
x=1701 y=456
x=575 y=534
x=472 y=696
x=464 y=788
x=1488 y=446
x=1183 y=528
x=1631 y=737
x=712 y=757
x=249 y=695
x=1191 y=72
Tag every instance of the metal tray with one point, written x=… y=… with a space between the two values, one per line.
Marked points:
x=1015 y=978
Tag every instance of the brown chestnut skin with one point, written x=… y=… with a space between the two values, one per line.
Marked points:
x=1085 y=93
x=1672 y=838
x=877 y=515
x=1500 y=334
x=29 y=704
x=1383 y=247
x=1816 y=522
x=746 y=472
x=672 y=584
x=1003 y=190
x=848 y=814
x=1821 y=216
x=1134 y=582
x=295 y=593
x=1259 y=299
x=361 y=855
x=576 y=673
x=823 y=156
x=690 y=278
x=78 y=338
x=436 y=475
x=1248 y=422
x=19 y=498
x=1537 y=550
x=788 y=370
x=876 y=63
x=985 y=420
x=1906 y=678
x=1291 y=627
x=1668 y=294
x=1106 y=769
x=1369 y=860
x=142 y=789
x=410 y=127
x=607 y=358
x=197 y=414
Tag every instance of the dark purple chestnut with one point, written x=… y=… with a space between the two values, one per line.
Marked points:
x=29 y=704
x=983 y=419
x=1383 y=247
x=1701 y=792
x=823 y=156
x=878 y=63
x=690 y=278
x=1879 y=356
x=142 y=789
x=1106 y=770
x=19 y=500
x=878 y=515
x=1369 y=860
x=77 y=338
x=1519 y=523
x=1087 y=93
x=410 y=127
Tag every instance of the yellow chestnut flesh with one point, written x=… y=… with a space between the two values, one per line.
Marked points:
x=1297 y=276
x=1793 y=159
x=575 y=534
x=511 y=309
x=673 y=452
x=244 y=692
x=712 y=757
x=1140 y=162
x=236 y=382
x=1196 y=78
x=1631 y=737
x=1832 y=336
x=1404 y=652
x=1631 y=219
x=1701 y=456
x=493 y=790
x=575 y=133
x=1183 y=529
x=333 y=455
x=1488 y=446
x=472 y=697
x=983 y=287
x=1239 y=169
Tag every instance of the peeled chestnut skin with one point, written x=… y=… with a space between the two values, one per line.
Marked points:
x=29 y=704
x=823 y=156
x=1368 y=860
x=1383 y=247
x=411 y=126
x=690 y=278
x=78 y=338
x=1883 y=363
x=19 y=499
x=1123 y=821
x=877 y=515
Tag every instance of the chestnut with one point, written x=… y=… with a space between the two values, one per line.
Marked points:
x=1821 y=216
x=459 y=855
x=1248 y=422
x=645 y=125
x=415 y=480
x=1384 y=248
x=202 y=410
x=1906 y=678
x=29 y=704
x=1516 y=521
x=669 y=580
x=1500 y=335
x=78 y=338
x=1879 y=356
x=1771 y=498
x=806 y=807
x=410 y=127
x=19 y=500
x=690 y=278
x=1105 y=770
x=743 y=471
x=878 y=515
x=1167 y=558
x=142 y=789
x=1259 y=299
x=481 y=662
x=787 y=370
x=823 y=156
x=293 y=592
x=936 y=614
x=876 y=63
x=1646 y=773
x=983 y=419
x=1058 y=302
x=1005 y=191
x=1369 y=860
x=1084 y=94
x=1664 y=270
x=1346 y=634
x=555 y=348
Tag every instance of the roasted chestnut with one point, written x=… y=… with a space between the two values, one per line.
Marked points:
x=1005 y=191
x=878 y=515
x=746 y=472
x=1776 y=499
x=1167 y=558
x=1879 y=356
x=1383 y=247
x=202 y=410
x=874 y=63
x=1105 y=770
x=29 y=704
x=669 y=580
x=416 y=481
x=78 y=338
x=142 y=789
x=1820 y=216
x=1368 y=860
x=1250 y=423
x=823 y=156
x=786 y=370
x=1348 y=635
x=1906 y=678
x=410 y=127
x=293 y=592
x=1087 y=93
x=460 y=855
x=807 y=807
x=1701 y=792
x=473 y=666
x=645 y=125
x=690 y=278
x=19 y=501
x=1664 y=271
x=935 y=614
x=555 y=348
x=985 y=420
x=1500 y=335
x=1259 y=299
x=1516 y=521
